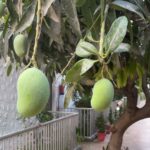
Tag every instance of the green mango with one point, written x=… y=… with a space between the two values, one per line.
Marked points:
x=33 y=92
x=103 y=94
x=2 y=7
x=20 y=45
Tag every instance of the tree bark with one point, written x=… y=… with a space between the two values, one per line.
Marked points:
x=113 y=145
x=118 y=130
x=130 y=116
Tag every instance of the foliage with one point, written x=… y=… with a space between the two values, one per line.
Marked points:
x=69 y=94
x=44 y=116
x=52 y=51
x=123 y=45
x=113 y=116
x=84 y=102
x=79 y=69
x=126 y=38
x=100 y=123
x=79 y=135
x=108 y=40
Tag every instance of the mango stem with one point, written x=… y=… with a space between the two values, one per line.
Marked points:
x=38 y=32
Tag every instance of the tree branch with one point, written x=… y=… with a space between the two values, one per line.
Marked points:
x=132 y=96
x=69 y=62
x=145 y=88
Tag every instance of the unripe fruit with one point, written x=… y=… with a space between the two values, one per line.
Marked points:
x=33 y=92
x=103 y=94
x=20 y=45
x=2 y=7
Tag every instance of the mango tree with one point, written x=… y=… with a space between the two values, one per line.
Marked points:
x=34 y=33
x=111 y=39
x=119 y=52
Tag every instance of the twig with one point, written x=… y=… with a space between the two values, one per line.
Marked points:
x=27 y=65
x=70 y=60
x=102 y=71
x=92 y=26
x=37 y=35
x=110 y=76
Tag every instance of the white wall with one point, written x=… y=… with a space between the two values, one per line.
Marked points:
x=9 y=121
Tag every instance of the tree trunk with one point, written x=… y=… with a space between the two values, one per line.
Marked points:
x=131 y=115
x=118 y=130
x=116 y=141
x=113 y=145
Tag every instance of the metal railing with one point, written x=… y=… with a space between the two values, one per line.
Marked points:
x=87 y=119
x=57 y=134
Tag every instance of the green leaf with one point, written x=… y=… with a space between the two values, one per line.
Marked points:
x=12 y=10
x=116 y=34
x=122 y=77
x=27 y=18
x=85 y=49
x=123 y=47
x=71 y=13
x=9 y=69
x=131 y=68
x=2 y=8
x=78 y=69
x=142 y=6
x=46 y=5
x=6 y=25
x=6 y=44
x=69 y=95
x=89 y=36
x=80 y=3
x=97 y=9
x=87 y=11
x=120 y=4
